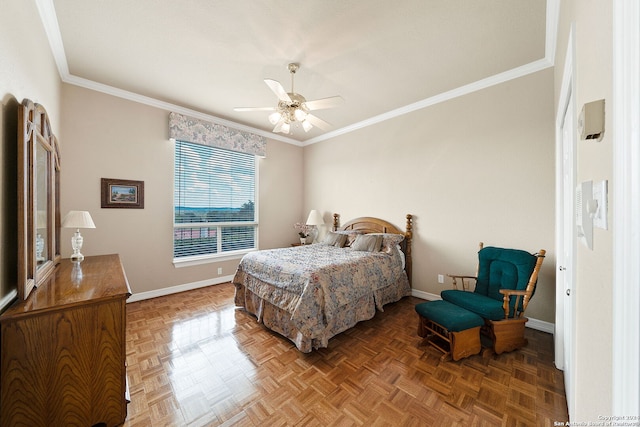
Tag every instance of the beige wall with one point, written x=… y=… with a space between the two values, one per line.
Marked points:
x=109 y=137
x=450 y=165
x=27 y=70
x=476 y=168
x=593 y=289
x=398 y=161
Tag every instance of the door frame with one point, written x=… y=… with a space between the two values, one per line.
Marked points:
x=626 y=214
x=564 y=332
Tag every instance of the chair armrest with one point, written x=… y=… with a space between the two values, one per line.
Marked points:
x=508 y=293
x=463 y=279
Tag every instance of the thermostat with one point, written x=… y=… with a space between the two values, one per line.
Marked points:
x=591 y=121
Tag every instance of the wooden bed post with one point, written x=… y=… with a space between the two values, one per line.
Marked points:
x=408 y=235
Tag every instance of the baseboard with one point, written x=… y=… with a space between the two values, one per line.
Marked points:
x=541 y=325
x=424 y=295
x=6 y=301
x=538 y=325
x=178 y=288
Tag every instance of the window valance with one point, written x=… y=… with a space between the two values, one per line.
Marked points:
x=190 y=129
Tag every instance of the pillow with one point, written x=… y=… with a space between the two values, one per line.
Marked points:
x=335 y=239
x=351 y=235
x=367 y=242
x=402 y=256
x=389 y=241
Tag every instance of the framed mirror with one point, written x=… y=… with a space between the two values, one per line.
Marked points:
x=38 y=198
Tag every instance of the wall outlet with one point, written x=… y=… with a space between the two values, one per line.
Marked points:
x=219 y=271
x=440 y=278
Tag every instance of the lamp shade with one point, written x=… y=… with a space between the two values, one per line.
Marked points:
x=78 y=219
x=314 y=218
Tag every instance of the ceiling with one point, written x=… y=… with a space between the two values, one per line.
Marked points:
x=208 y=56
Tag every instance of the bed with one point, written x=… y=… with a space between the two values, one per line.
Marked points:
x=311 y=293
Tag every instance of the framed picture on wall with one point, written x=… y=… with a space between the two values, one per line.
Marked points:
x=122 y=193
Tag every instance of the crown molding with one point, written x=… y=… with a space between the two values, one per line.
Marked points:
x=49 y=20
x=152 y=102
x=551 y=30
x=496 y=79
x=50 y=23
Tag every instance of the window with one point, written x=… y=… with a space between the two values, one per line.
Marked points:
x=214 y=202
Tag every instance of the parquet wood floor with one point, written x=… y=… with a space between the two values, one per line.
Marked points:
x=195 y=360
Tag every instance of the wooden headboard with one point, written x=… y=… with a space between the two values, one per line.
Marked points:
x=368 y=224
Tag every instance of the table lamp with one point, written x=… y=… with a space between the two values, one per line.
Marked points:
x=77 y=220
x=315 y=219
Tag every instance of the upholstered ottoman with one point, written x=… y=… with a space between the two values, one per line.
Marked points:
x=453 y=330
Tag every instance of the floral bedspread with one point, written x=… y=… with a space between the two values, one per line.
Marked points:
x=315 y=283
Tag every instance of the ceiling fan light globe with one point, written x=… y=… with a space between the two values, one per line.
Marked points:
x=306 y=125
x=285 y=128
x=274 y=118
x=300 y=114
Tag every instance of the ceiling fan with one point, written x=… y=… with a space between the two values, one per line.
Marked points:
x=293 y=107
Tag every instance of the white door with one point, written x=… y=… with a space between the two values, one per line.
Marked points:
x=626 y=219
x=565 y=275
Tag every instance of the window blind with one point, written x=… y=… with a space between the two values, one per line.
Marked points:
x=214 y=201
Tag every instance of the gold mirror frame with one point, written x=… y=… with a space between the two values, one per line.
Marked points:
x=38 y=198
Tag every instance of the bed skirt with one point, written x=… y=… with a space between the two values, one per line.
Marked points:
x=279 y=320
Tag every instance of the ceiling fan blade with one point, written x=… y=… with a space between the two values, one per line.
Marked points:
x=277 y=88
x=323 y=103
x=254 y=108
x=318 y=122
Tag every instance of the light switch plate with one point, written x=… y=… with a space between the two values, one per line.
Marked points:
x=600 y=195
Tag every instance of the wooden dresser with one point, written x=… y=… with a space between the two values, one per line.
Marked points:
x=63 y=349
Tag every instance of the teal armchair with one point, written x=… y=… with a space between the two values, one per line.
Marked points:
x=504 y=284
